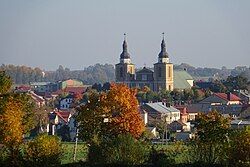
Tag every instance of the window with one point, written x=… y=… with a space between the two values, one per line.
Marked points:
x=169 y=87
x=144 y=77
x=169 y=72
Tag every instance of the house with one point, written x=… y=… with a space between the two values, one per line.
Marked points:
x=244 y=95
x=162 y=111
x=65 y=103
x=39 y=100
x=23 y=89
x=178 y=126
x=57 y=119
x=187 y=113
x=222 y=99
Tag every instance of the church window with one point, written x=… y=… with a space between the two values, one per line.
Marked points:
x=169 y=87
x=144 y=77
x=169 y=72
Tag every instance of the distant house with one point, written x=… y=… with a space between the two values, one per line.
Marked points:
x=187 y=113
x=39 y=100
x=162 y=110
x=244 y=95
x=177 y=126
x=66 y=102
x=222 y=99
x=57 y=119
x=183 y=80
x=23 y=89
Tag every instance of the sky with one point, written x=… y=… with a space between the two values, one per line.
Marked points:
x=79 y=33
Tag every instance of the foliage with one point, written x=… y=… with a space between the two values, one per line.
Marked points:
x=68 y=152
x=90 y=75
x=44 y=150
x=120 y=150
x=237 y=82
x=112 y=113
x=5 y=83
x=212 y=138
x=239 y=150
x=64 y=133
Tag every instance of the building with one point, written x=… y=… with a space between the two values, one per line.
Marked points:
x=222 y=99
x=161 y=111
x=161 y=78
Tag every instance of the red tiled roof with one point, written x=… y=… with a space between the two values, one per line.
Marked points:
x=224 y=96
x=64 y=115
x=75 y=90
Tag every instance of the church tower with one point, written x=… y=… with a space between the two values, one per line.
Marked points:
x=125 y=70
x=163 y=70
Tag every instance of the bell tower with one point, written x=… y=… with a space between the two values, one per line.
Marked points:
x=163 y=70
x=125 y=70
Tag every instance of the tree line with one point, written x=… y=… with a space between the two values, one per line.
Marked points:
x=97 y=73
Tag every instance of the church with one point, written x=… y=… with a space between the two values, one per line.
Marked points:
x=162 y=78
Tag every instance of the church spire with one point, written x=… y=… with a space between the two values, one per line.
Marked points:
x=124 y=54
x=163 y=53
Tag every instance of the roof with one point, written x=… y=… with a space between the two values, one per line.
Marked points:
x=145 y=70
x=74 y=90
x=64 y=115
x=159 y=107
x=224 y=96
x=180 y=79
x=240 y=122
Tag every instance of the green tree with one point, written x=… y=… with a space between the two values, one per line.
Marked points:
x=212 y=139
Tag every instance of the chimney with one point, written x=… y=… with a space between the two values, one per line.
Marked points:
x=167 y=104
x=228 y=96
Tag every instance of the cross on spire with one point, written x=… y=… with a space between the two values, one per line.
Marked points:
x=124 y=36
x=163 y=36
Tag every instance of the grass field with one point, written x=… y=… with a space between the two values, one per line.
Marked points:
x=81 y=153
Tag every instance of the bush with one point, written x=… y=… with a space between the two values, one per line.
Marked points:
x=121 y=150
x=44 y=150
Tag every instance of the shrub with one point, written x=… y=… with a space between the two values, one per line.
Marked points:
x=44 y=150
x=121 y=150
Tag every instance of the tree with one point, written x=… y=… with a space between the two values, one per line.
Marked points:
x=5 y=83
x=239 y=150
x=109 y=114
x=212 y=138
x=16 y=119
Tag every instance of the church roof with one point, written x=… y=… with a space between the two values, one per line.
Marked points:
x=125 y=54
x=145 y=70
x=163 y=53
x=180 y=79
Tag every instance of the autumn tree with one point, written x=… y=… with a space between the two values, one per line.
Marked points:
x=16 y=119
x=109 y=114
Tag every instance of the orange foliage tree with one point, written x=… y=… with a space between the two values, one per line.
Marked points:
x=112 y=113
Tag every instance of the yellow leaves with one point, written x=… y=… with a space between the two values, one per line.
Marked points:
x=11 y=123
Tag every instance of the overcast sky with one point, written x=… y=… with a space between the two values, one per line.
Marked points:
x=79 y=33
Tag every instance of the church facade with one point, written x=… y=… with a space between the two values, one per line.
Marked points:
x=161 y=78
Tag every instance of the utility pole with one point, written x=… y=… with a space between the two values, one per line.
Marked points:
x=75 y=147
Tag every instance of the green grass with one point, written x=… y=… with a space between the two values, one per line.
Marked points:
x=68 y=148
